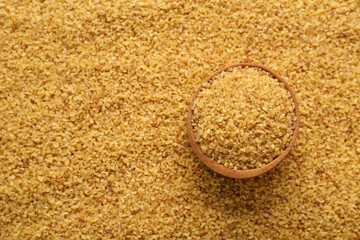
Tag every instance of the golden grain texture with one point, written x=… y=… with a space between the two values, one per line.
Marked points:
x=243 y=118
x=93 y=104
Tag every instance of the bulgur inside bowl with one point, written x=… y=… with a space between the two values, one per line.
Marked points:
x=243 y=118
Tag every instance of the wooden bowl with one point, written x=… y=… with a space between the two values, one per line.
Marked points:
x=229 y=172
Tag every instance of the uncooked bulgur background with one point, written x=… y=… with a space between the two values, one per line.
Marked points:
x=93 y=100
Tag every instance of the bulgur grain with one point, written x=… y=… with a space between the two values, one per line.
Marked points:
x=243 y=118
x=93 y=101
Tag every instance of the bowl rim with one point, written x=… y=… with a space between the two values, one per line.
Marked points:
x=229 y=172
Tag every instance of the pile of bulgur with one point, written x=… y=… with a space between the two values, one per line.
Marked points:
x=243 y=118
x=93 y=107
